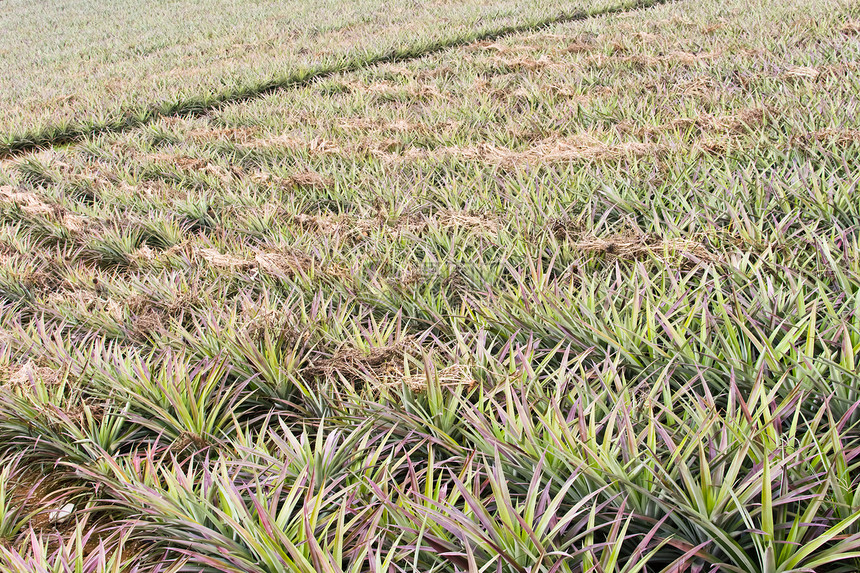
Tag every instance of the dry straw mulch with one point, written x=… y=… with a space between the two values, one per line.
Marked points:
x=22 y=376
x=831 y=136
x=34 y=206
x=850 y=28
x=632 y=246
x=28 y=202
x=281 y=264
x=383 y=367
x=801 y=73
x=580 y=148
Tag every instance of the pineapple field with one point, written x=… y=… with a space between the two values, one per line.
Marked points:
x=445 y=286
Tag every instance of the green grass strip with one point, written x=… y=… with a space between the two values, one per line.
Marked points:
x=70 y=132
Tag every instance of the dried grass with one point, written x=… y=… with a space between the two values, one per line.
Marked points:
x=139 y=304
x=23 y=377
x=379 y=366
x=398 y=70
x=262 y=323
x=832 y=136
x=383 y=367
x=284 y=264
x=189 y=441
x=409 y=277
x=699 y=86
x=741 y=122
x=366 y=124
x=224 y=261
x=646 y=61
x=153 y=189
x=29 y=203
x=579 y=148
x=633 y=246
x=32 y=205
x=323 y=224
x=143 y=256
x=839 y=70
x=714 y=145
x=299 y=179
x=308 y=179
x=498 y=48
x=579 y=47
x=412 y=91
x=544 y=43
x=145 y=324
x=314 y=147
x=454 y=375
x=233 y=135
x=195 y=164
x=710 y=29
x=181 y=161
x=76 y=224
x=87 y=301
x=801 y=73
x=280 y=264
x=525 y=63
x=744 y=121
x=850 y=28
x=476 y=222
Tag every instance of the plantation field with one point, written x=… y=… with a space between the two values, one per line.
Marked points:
x=74 y=67
x=579 y=297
